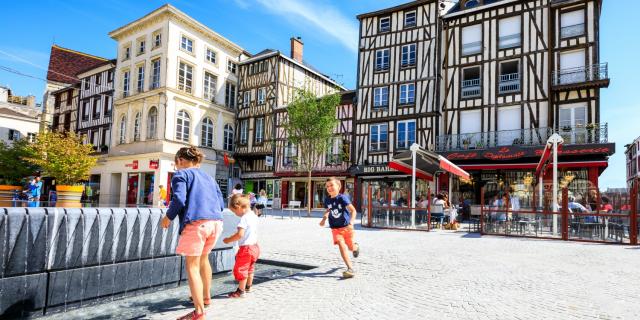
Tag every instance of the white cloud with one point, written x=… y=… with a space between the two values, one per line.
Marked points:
x=323 y=17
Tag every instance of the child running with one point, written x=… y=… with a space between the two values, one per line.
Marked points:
x=199 y=209
x=342 y=216
x=247 y=237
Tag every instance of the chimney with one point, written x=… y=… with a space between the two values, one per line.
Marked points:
x=296 y=48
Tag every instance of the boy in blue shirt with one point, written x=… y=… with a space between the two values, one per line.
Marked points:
x=342 y=216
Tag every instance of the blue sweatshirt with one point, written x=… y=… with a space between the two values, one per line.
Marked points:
x=196 y=196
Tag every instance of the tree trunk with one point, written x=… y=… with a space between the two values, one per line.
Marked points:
x=309 y=193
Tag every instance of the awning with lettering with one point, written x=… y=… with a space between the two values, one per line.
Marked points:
x=427 y=163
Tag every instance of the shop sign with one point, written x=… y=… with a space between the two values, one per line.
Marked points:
x=517 y=152
x=372 y=169
x=154 y=164
x=132 y=165
x=268 y=161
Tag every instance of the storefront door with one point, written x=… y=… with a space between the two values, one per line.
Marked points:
x=319 y=194
x=132 y=189
x=146 y=196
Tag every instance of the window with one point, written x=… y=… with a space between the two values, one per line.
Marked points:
x=209 y=86
x=246 y=99
x=228 y=138
x=509 y=33
x=141 y=45
x=98 y=79
x=572 y=67
x=232 y=67
x=125 y=83
x=86 y=82
x=155 y=74
x=185 y=77
x=96 y=108
x=14 y=135
x=210 y=55
x=259 y=131
x=85 y=111
x=409 y=55
x=157 y=39
x=183 y=123
x=140 y=85
x=406 y=134
x=244 y=131
x=123 y=130
x=69 y=97
x=110 y=76
x=186 y=44
x=290 y=152
x=509 y=77
x=378 y=137
x=262 y=92
x=207 y=133
x=106 y=138
x=410 y=19
x=407 y=93
x=334 y=156
x=31 y=137
x=152 y=123
x=382 y=60
x=136 y=127
x=230 y=95
x=385 y=24
x=381 y=97
x=572 y=24
x=127 y=53
x=107 y=106
x=472 y=40
x=471 y=82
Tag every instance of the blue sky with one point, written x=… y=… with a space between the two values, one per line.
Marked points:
x=328 y=29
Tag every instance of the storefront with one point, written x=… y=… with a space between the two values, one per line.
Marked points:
x=295 y=189
x=512 y=169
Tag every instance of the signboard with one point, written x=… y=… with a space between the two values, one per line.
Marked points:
x=132 y=165
x=268 y=161
x=373 y=169
x=154 y=164
x=518 y=152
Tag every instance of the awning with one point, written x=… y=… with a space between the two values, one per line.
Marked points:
x=427 y=163
x=544 y=159
x=516 y=166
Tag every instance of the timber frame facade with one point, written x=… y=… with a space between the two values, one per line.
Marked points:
x=267 y=83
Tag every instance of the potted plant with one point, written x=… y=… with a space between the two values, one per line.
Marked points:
x=13 y=169
x=566 y=128
x=65 y=158
x=479 y=145
x=466 y=142
x=517 y=141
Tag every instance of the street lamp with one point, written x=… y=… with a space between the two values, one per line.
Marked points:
x=414 y=150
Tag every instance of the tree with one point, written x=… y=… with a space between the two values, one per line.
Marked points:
x=62 y=156
x=13 y=167
x=310 y=126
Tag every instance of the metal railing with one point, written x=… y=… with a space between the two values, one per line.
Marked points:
x=590 y=134
x=510 y=41
x=509 y=83
x=588 y=73
x=472 y=48
x=471 y=88
x=572 y=31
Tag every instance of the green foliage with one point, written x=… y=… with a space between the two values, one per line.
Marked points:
x=62 y=156
x=13 y=167
x=310 y=126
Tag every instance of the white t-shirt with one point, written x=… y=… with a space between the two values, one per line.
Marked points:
x=249 y=222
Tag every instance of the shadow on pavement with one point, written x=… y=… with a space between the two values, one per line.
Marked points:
x=325 y=274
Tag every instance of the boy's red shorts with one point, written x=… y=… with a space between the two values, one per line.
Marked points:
x=245 y=261
x=344 y=233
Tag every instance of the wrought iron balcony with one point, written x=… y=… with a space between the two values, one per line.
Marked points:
x=592 y=75
x=509 y=83
x=471 y=88
x=572 y=31
x=589 y=134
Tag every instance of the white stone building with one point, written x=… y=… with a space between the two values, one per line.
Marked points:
x=175 y=85
x=19 y=116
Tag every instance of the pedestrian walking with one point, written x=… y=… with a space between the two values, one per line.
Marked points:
x=199 y=210
x=261 y=202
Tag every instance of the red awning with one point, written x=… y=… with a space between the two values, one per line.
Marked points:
x=427 y=163
x=544 y=159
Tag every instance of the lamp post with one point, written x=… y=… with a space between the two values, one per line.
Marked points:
x=556 y=140
x=414 y=150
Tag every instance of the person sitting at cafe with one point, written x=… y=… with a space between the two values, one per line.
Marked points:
x=577 y=207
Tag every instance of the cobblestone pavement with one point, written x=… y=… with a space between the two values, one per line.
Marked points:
x=437 y=275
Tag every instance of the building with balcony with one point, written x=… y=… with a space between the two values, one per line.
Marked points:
x=633 y=161
x=19 y=116
x=95 y=103
x=513 y=73
x=174 y=86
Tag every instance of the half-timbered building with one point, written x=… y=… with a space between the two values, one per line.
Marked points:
x=513 y=73
x=95 y=105
x=334 y=163
x=397 y=91
x=268 y=82
x=65 y=109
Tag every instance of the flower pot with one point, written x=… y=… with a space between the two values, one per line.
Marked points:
x=69 y=196
x=6 y=195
